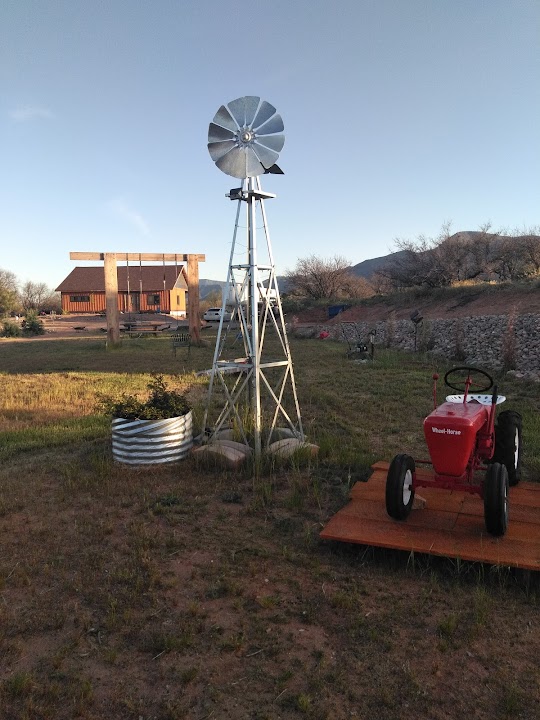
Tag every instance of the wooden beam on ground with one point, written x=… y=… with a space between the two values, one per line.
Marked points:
x=111 y=299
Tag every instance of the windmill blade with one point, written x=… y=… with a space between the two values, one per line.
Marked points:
x=219 y=149
x=265 y=113
x=266 y=156
x=274 y=125
x=254 y=166
x=216 y=133
x=224 y=118
x=274 y=142
x=234 y=163
x=252 y=103
x=238 y=110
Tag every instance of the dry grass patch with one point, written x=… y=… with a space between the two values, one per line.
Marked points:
x=192 y=592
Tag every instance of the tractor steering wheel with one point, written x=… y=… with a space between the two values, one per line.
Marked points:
x=470 y=373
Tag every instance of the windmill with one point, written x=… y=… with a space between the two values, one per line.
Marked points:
x=254 y=394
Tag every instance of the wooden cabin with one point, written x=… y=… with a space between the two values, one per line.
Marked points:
x=141 y=289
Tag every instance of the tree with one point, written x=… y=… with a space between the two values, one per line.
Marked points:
x=509 y=259
x=446 y=259
x=531 y=249
x=482 y=257
x=324 y=279
x=8 y=292
x=36 y=296
x=427 y=261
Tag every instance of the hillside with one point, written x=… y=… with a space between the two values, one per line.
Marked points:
x=468 y=238
x=367 y=268
x=471 y=300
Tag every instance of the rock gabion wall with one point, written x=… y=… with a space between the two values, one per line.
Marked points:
x=489 y=341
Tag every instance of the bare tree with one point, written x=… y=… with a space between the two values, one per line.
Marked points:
x=446 y=259
x=482 y=253
x=431 y=262
x=380 y=284
x=34 y=296
x=357 y=287
x=323 y=279
x=509 y=261
x=531 y=249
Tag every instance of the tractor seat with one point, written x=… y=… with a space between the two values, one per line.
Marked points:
x=475 y=398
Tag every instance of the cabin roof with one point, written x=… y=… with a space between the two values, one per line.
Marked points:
x=154 y=279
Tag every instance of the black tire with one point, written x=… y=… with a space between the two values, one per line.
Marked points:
x=399 y=490
x=496 y=499
x=508 y=444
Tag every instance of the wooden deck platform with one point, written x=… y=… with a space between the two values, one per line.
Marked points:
x=451 y=524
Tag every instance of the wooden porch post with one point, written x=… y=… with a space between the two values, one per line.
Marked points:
x=111 y=299
x=194 y=320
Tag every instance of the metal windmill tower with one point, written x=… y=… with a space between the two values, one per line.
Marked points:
x=256 y=393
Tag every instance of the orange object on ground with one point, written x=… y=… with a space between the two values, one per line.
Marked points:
x=451 y=524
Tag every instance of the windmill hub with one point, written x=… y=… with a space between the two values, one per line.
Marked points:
x=247 y=136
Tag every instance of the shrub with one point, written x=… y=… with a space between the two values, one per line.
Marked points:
x=32 y=325
x=161 y=404
x=11 y=329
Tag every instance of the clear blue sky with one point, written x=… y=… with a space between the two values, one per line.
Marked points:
x=399 y=115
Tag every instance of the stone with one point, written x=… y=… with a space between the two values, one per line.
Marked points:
x=220 y=454
x=287 y=447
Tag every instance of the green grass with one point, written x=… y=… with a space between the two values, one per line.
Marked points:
x=373 y=411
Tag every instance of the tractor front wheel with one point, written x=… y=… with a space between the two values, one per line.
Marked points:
x=508 y=444
x=399 y=487
x=496 y=499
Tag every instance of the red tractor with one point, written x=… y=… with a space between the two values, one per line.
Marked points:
x=463 y=440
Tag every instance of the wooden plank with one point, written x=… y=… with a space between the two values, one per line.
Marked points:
x=451 y=525
x=444 y=500
x=375 y=510
x=136 y=257
x=432 y=541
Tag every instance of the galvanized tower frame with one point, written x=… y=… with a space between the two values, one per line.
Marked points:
x=260 y=392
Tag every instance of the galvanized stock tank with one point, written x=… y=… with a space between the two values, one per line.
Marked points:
x=150 y=442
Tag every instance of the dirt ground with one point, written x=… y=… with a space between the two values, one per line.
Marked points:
x=179 y=593
x=68 y=326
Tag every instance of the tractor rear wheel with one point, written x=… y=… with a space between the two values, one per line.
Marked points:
x=496 y=499
x=399 y=487
x=508 y=444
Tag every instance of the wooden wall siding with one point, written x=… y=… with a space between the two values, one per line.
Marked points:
x=96 y=304
x=175 y=295
x=167 y=301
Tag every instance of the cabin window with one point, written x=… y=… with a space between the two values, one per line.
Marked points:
x=152 y=299
x=178 y=300
x=79 y=298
